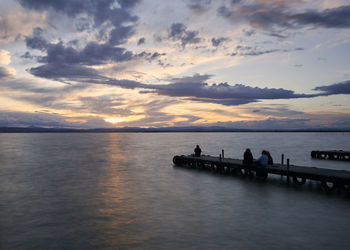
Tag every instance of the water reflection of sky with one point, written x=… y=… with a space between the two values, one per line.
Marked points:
x=110 y=191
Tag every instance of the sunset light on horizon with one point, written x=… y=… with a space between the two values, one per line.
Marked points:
x=257 y=64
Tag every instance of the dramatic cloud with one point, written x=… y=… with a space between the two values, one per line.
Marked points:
x=37 y=41
x=329 y=18
x=65 y=72
x=32 y=86
x=193 y=88
x=92 y=54
x=50 y=120
x=179 y=32
x=16 y=23
x=199 y=6
x=256 y=51
x=216 y=42
x=141 y=41
x=335 y=89
x=4 y=57
x=270 y=16
x=270 y=124
x=76 y=73
x=223 y=93
x=68 y=63
x=119 y=20
x=7 y=73
x=101 y=11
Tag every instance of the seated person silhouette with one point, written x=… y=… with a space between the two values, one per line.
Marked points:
x=197 y=151
x=263 y=159
x=269 y=158
x=247 y=157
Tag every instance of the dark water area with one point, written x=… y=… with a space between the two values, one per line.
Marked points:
x=121 y=191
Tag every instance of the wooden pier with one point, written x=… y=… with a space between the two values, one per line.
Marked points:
x=331 y=155
x=330 y=179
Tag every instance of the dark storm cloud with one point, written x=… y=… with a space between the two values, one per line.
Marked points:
x=37 y=41
x=99 y=12
x=329 y=18
x=268 y=17
x=277 y=35
x=128 y=3
x=199 y=6
x=120 y=34
x=141 y=41
x=92 y=54
x=196 y=88
x=218 y=41
x=256 y=51
x=179 y=32
x=224 y=91
x=335 y=89
x=77 y=73
x=193 y=88
x=65 y=72
x=150 y=56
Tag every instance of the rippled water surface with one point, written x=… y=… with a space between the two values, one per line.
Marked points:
x=121 y=191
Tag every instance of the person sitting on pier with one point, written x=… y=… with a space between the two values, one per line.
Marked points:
x=263 y=159
x=269 y=158
x=197 y=151
x=248 y=157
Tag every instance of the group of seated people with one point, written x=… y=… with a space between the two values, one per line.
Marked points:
x=264 y=160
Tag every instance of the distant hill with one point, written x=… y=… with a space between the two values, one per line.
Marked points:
x=162 y=129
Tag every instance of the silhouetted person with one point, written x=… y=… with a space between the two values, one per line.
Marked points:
x=263 y=160
x=197 y=151
x=269 y=158
x=247 y=157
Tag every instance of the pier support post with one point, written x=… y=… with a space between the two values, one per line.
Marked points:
x=288 y=171
x=220 y=157
x=282 y=159
x=223 y=153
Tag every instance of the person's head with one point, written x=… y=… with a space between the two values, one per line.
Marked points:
x=264 y=152
x=197 y=146
x=247 y=150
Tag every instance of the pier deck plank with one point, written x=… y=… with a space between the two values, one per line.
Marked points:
x=312 y=173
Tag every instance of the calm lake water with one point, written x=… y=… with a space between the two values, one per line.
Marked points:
x=121 y=191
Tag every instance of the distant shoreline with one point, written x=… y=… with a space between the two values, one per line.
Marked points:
x=163 y=130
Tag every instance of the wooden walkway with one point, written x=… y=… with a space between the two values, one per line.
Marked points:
x=330 y=179
x=331 y=155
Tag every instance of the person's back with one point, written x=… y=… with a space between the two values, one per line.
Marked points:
x=269 y=159
x=197 y=151
x=263 y=159
x=247 y=157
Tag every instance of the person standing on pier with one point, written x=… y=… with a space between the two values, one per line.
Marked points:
x=197 y=151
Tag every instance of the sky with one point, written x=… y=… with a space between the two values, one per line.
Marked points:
x=255 y=64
